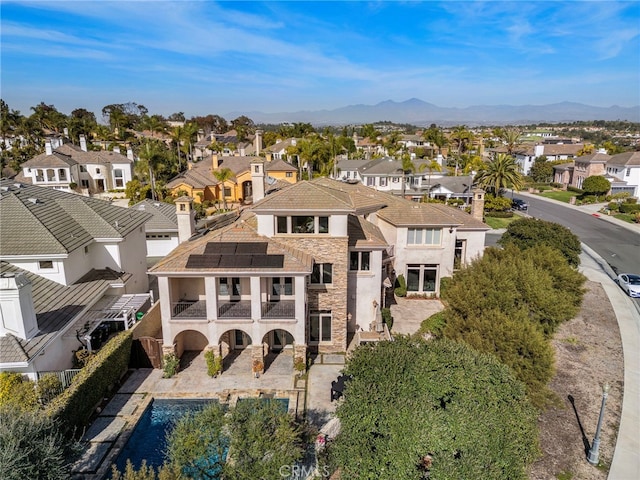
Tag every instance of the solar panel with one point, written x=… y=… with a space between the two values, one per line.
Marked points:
x=267 y=261
x=251 y=247
x=203 y=261
x=235 y=261
x=236 y=248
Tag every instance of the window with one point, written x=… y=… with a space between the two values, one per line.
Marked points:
x=383 y=181
x=371 y=181
x=322 y=273
x=230 y=286
x=98 y=171
x=289 y=174
x=319 y=327
x=421 y=278
x=62 y=174
x=51 y=175
x=628 y=172
x=360 y=261
x=118 y=174
x=86 y=249
x=395 y=179
x=83 y=169
x=302 y=224
x=45 y=265
x=423 y=236
x=84 y=183
x=227 y=191
x=282 y=286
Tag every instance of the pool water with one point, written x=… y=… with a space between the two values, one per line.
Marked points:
x=148 y=440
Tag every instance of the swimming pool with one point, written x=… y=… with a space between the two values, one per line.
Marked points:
x=148 y=440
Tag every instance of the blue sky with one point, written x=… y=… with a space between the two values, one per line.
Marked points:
x=221 y=57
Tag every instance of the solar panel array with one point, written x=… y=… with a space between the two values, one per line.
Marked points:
x=235 y=255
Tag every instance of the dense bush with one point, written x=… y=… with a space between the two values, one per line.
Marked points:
x=33 y=447
x=530 y=232
x=498 y=214
x=386 y=317
x=170 y=365
x=596 y=185
x=214 y=363
x=74 y=407
x=629 y=207
x=401 y=286
x=495 y=203
x=17 y=392
x=456 y=414
x=574 y=189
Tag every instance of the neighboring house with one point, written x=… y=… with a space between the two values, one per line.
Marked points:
x=229 y=143
x=525 y=157
x=624 y=169
x=61 y=236
x=386 y=175
x=161 y=231
x=588 y=166
x=68 y=264
x=94 y=172
x=200 y=183
x=278 y=151
x=307 y=267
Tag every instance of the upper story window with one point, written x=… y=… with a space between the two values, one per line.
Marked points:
x=282 y=286
x=302 y=224
x=289 y=174
x=97 y=170
x=118 y=174
x=62 y=174
x=45 y=265
x=628 y=173
x=423 y=236
x=322 y=273
x=360 y=261
x=371 y=181
x=383 y=181
x=83 y=169
x=229 y=286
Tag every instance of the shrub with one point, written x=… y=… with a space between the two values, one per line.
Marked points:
x=556 y=185
x=629 y=207
x=17 y=392
x=433 y=325
x=447 y=401
x=574 y=189
x=299 y=364
x=613 y=206
x=596 y=185
x=214 y=363
x=588 y=199
x=170 y=365
x=401 y=286
x=497 y=214
x=48 y=387
x=633 y=200
x=386 y=317
x=73 y=407
x=529 y=232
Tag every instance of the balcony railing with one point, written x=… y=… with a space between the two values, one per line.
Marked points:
x=189 y=309
x=239 y=309
x=281 y=309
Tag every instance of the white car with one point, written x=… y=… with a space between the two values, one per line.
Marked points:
x=630 y=283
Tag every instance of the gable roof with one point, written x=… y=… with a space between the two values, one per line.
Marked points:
x=39 y=221
x=56 y=159
x=626 y=158
x=596 y=157
x=55 y=306
x=91 y=157
x=306 y=196
x=163 y=215
x=241 y=231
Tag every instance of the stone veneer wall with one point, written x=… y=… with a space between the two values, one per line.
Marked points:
x=334 y=296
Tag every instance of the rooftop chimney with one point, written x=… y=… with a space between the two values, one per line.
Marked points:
x=116 y=148
x=214 y=161
x=17 y=314
x=130 y=154
x=186 y=216
x=477 y=205
x=47 y=147
x=258 y=141
x=83 y=143
x=257 y=181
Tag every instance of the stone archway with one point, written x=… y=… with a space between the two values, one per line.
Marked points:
x=189 y=345
x=235 y=347
x=278 y=351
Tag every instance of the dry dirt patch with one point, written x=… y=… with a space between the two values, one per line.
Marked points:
x=588 y=354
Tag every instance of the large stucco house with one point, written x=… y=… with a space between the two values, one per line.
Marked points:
x=67 y=264
x=307 y=267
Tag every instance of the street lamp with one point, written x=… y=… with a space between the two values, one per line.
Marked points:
x=592 y=458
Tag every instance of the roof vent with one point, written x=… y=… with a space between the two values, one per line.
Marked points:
x=35 y=201
x=116 y=224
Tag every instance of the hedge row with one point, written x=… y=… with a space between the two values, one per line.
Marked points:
x=498 y=214
x=629 y=207
x=74 y=407
x=574 y=189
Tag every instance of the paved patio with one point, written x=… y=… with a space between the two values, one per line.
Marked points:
x=408 y=313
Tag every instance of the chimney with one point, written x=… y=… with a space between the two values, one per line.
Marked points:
x=268 y=156
x=258 y=142
x=130 y=154
x=17 y=314
x=47 y=147
x=189 y=165
x=538 y=150
x=186 y=217
x=477 y=205
x=116 y=148
x=83 y=143
x=257 y=181
x=215 y=162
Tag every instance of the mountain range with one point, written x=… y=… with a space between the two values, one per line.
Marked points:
x=417 y=112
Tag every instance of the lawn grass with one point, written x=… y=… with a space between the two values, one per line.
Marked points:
x=497 y=223
x=559 y=195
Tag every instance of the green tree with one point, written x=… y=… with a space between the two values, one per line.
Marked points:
x=435 y=136
x=32 y=446
x=264 y=437
x=541 y=170
x=527 y=233
x=223 y=175
x=510 y=138
x=197 y=446
x=596 y=185
x=416 y=408
x=499 y=174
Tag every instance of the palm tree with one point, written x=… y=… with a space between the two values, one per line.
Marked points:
x=461 y=137
x=510 y=137
x=431 y=165
x=501 y=173
x=435 y=136
x=223 y=175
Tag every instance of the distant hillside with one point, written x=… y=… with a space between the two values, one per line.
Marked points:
x=418 y=112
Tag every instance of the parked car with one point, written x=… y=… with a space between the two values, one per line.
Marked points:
x=630 y=283
x=518 y=204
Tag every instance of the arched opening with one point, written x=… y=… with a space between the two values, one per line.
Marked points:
x=189 y=346
x=235 y=350
x=279 y=357
x=247 y=189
